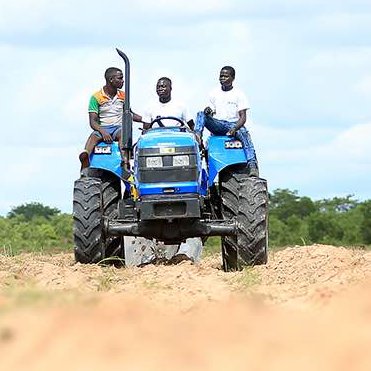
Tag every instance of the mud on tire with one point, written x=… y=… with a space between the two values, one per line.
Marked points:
x=244 y=198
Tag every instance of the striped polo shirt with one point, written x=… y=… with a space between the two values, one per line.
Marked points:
x=109 y=110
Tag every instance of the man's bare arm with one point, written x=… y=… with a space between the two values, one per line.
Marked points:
x=240 y=122
x=94 y=124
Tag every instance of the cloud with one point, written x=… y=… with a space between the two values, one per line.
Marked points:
x=341 y=164
x=354 y=144
x=363 y=86
x=43 y=175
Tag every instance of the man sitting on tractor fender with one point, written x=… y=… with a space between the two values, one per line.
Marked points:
x=226 y=115
x=106 y=108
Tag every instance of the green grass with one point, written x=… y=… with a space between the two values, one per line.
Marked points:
x=212 y=246
x=248 y=277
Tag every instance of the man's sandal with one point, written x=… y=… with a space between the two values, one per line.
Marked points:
x=84 y=159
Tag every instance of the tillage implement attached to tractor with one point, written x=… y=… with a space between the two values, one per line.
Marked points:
x=176 y=191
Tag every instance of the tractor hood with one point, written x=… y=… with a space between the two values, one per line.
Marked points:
x=170 y=137
x=167 y=161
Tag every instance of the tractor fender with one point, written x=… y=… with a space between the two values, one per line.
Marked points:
x=223 y=151
x=106 y=156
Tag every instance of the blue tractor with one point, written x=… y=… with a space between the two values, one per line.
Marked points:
x=178 y=190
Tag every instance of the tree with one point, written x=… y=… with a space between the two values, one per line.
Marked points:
x=337 y=204
x=366 y=223
x=325 y=228
x=285 y=203
x=33 y=209
x=278 y=232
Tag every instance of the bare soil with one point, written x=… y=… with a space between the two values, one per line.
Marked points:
x=309 y=308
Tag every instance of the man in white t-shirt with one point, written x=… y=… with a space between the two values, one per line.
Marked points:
x=226 y=115
x=165 y=106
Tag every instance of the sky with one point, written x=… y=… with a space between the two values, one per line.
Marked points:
x=305 y=66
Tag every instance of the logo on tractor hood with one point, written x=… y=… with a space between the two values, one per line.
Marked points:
x=167 y=150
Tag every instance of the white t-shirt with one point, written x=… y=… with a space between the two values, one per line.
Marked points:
x=226 y=104
x=171 y=108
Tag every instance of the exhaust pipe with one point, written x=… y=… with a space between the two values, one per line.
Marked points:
x=127 y=116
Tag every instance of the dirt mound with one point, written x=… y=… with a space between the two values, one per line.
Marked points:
x=312 y=272
x=309 y=308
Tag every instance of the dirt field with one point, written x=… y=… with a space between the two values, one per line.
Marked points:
x=308 y=309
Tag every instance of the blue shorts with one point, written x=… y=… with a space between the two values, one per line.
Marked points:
x=112 y=130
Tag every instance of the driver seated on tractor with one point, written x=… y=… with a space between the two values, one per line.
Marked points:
x=106 y=108
x=226 y=115
x=165 y=106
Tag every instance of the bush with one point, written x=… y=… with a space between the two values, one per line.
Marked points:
x=37 y=234
x=293 y=220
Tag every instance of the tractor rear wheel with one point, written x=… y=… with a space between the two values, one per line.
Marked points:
x=88 y=219
x=110 y=189
x=244 y=198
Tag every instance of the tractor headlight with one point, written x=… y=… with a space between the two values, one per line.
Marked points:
x=154 y=161
x=182 y=160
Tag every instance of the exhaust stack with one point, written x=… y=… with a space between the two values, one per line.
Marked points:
x=127 y=117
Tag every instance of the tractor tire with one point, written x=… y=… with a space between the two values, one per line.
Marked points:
x=88 y=218
x=111 y=195
x=244 y=198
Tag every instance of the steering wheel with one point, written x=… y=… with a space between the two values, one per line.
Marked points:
x=158 y=121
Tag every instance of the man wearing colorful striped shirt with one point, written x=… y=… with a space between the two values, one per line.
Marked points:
x=106 y=108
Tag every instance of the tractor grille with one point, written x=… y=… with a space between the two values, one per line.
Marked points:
x=167 y=172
